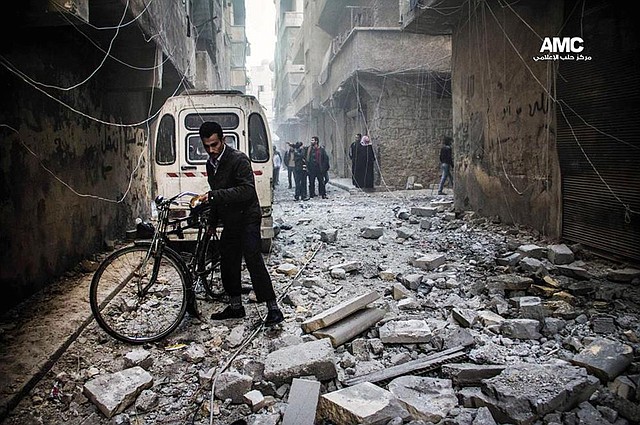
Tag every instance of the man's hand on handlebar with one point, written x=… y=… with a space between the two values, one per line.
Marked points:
x=199 y=199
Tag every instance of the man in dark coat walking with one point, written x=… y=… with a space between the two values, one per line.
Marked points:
x=234 y=204
x=318 y=167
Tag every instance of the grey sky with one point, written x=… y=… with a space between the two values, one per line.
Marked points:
x=260 y=27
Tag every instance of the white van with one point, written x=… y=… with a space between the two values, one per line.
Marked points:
x=179 y=159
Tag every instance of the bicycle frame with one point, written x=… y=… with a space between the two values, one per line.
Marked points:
x=159 y=240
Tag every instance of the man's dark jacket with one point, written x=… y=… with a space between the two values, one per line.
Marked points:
x=233 y=195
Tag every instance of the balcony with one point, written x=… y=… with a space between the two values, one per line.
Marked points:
x=289 y=20
x=427 y=53
x=435 y=17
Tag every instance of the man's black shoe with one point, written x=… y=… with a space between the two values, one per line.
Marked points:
x=229 y=313
x=273 y=318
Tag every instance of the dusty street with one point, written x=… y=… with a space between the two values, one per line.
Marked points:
x=525 y=320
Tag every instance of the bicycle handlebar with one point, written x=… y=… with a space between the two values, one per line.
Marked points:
x=161 y=202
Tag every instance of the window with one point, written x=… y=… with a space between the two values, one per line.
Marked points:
x=227 y=120
x=166 y=141
x=195 y=150
x=258 y=140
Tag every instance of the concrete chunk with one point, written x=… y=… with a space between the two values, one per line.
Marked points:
x=309 y=358
x=114 y=392
x=525 y=392
x=233 y=385
x=405 y=332
x=465 y=374
x=339 y=312
x=429 y=261
x=427 y=399
x=364 y=403
x=351 y=326
x=302 y=402
x=424 y=211
x=560 y=254
x=604 y=358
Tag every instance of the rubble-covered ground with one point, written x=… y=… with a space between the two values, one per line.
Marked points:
x=540 y=332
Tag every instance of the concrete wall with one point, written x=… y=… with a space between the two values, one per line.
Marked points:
x=503 y=120
x=73 y=168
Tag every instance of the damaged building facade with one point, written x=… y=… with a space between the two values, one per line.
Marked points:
x=346 y=69
x=542 y=138
x=547 y=143
x=81 y=85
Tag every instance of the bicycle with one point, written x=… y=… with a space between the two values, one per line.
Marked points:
x=141 y=293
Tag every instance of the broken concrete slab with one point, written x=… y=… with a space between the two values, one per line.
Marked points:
x=351 y=326
x=625 y=275
x=364 y=403
x=232 y=385
x=560 y=254
x=338 y=312
x=114 y=392
x=525 y=392
x=427 y=399
x=372 y=232
x=302 y=402
x=466 y=317
x=604 y=358
x=310 y=358
x=424 y=211
x=399 y=292
x=466 y=374
x=405 y=332
x=429 y=261
x=532 y=250
x=521 y=328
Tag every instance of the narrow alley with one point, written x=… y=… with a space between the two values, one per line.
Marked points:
x=487 y=319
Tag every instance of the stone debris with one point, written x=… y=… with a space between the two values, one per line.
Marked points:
x=302 y=402
x=315 y=358
x=233 y=386
x=427 y=399
x=351 y=326
x=404 y=303
x=338 y=312
x=405 y=332
x=605 y=358
x=364 y=403
x=114 y=392
x=523 y=392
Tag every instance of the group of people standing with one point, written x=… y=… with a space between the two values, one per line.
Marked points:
x=307 y=166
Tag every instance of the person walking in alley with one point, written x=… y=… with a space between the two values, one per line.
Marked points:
x=300 y=172
x=277 y=163
x=318 y=167
x=234 y=203
x=365 y=158
x=290 y=163
x=446 y=163
x=352 y=157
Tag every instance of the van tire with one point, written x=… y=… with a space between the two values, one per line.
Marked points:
x=266 y=245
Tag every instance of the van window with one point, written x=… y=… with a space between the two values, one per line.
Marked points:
x=227 y=120
x=196 y=153
x=166 y=141
x=258 y=140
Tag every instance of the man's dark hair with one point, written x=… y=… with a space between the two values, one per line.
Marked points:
x=210 y=127
x=315 y=139
x=447 y=140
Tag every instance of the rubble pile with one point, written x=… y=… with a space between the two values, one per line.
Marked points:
x=409 y=312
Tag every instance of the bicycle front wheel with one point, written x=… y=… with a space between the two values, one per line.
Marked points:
x=131 y=306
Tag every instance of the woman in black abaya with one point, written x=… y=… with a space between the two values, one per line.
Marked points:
x=364 y=160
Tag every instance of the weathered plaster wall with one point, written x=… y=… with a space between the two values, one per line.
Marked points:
x=503 y=119
x=73 y=172
x=405 y=116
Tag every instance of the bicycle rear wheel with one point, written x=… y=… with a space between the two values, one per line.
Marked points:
x=130 y=313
